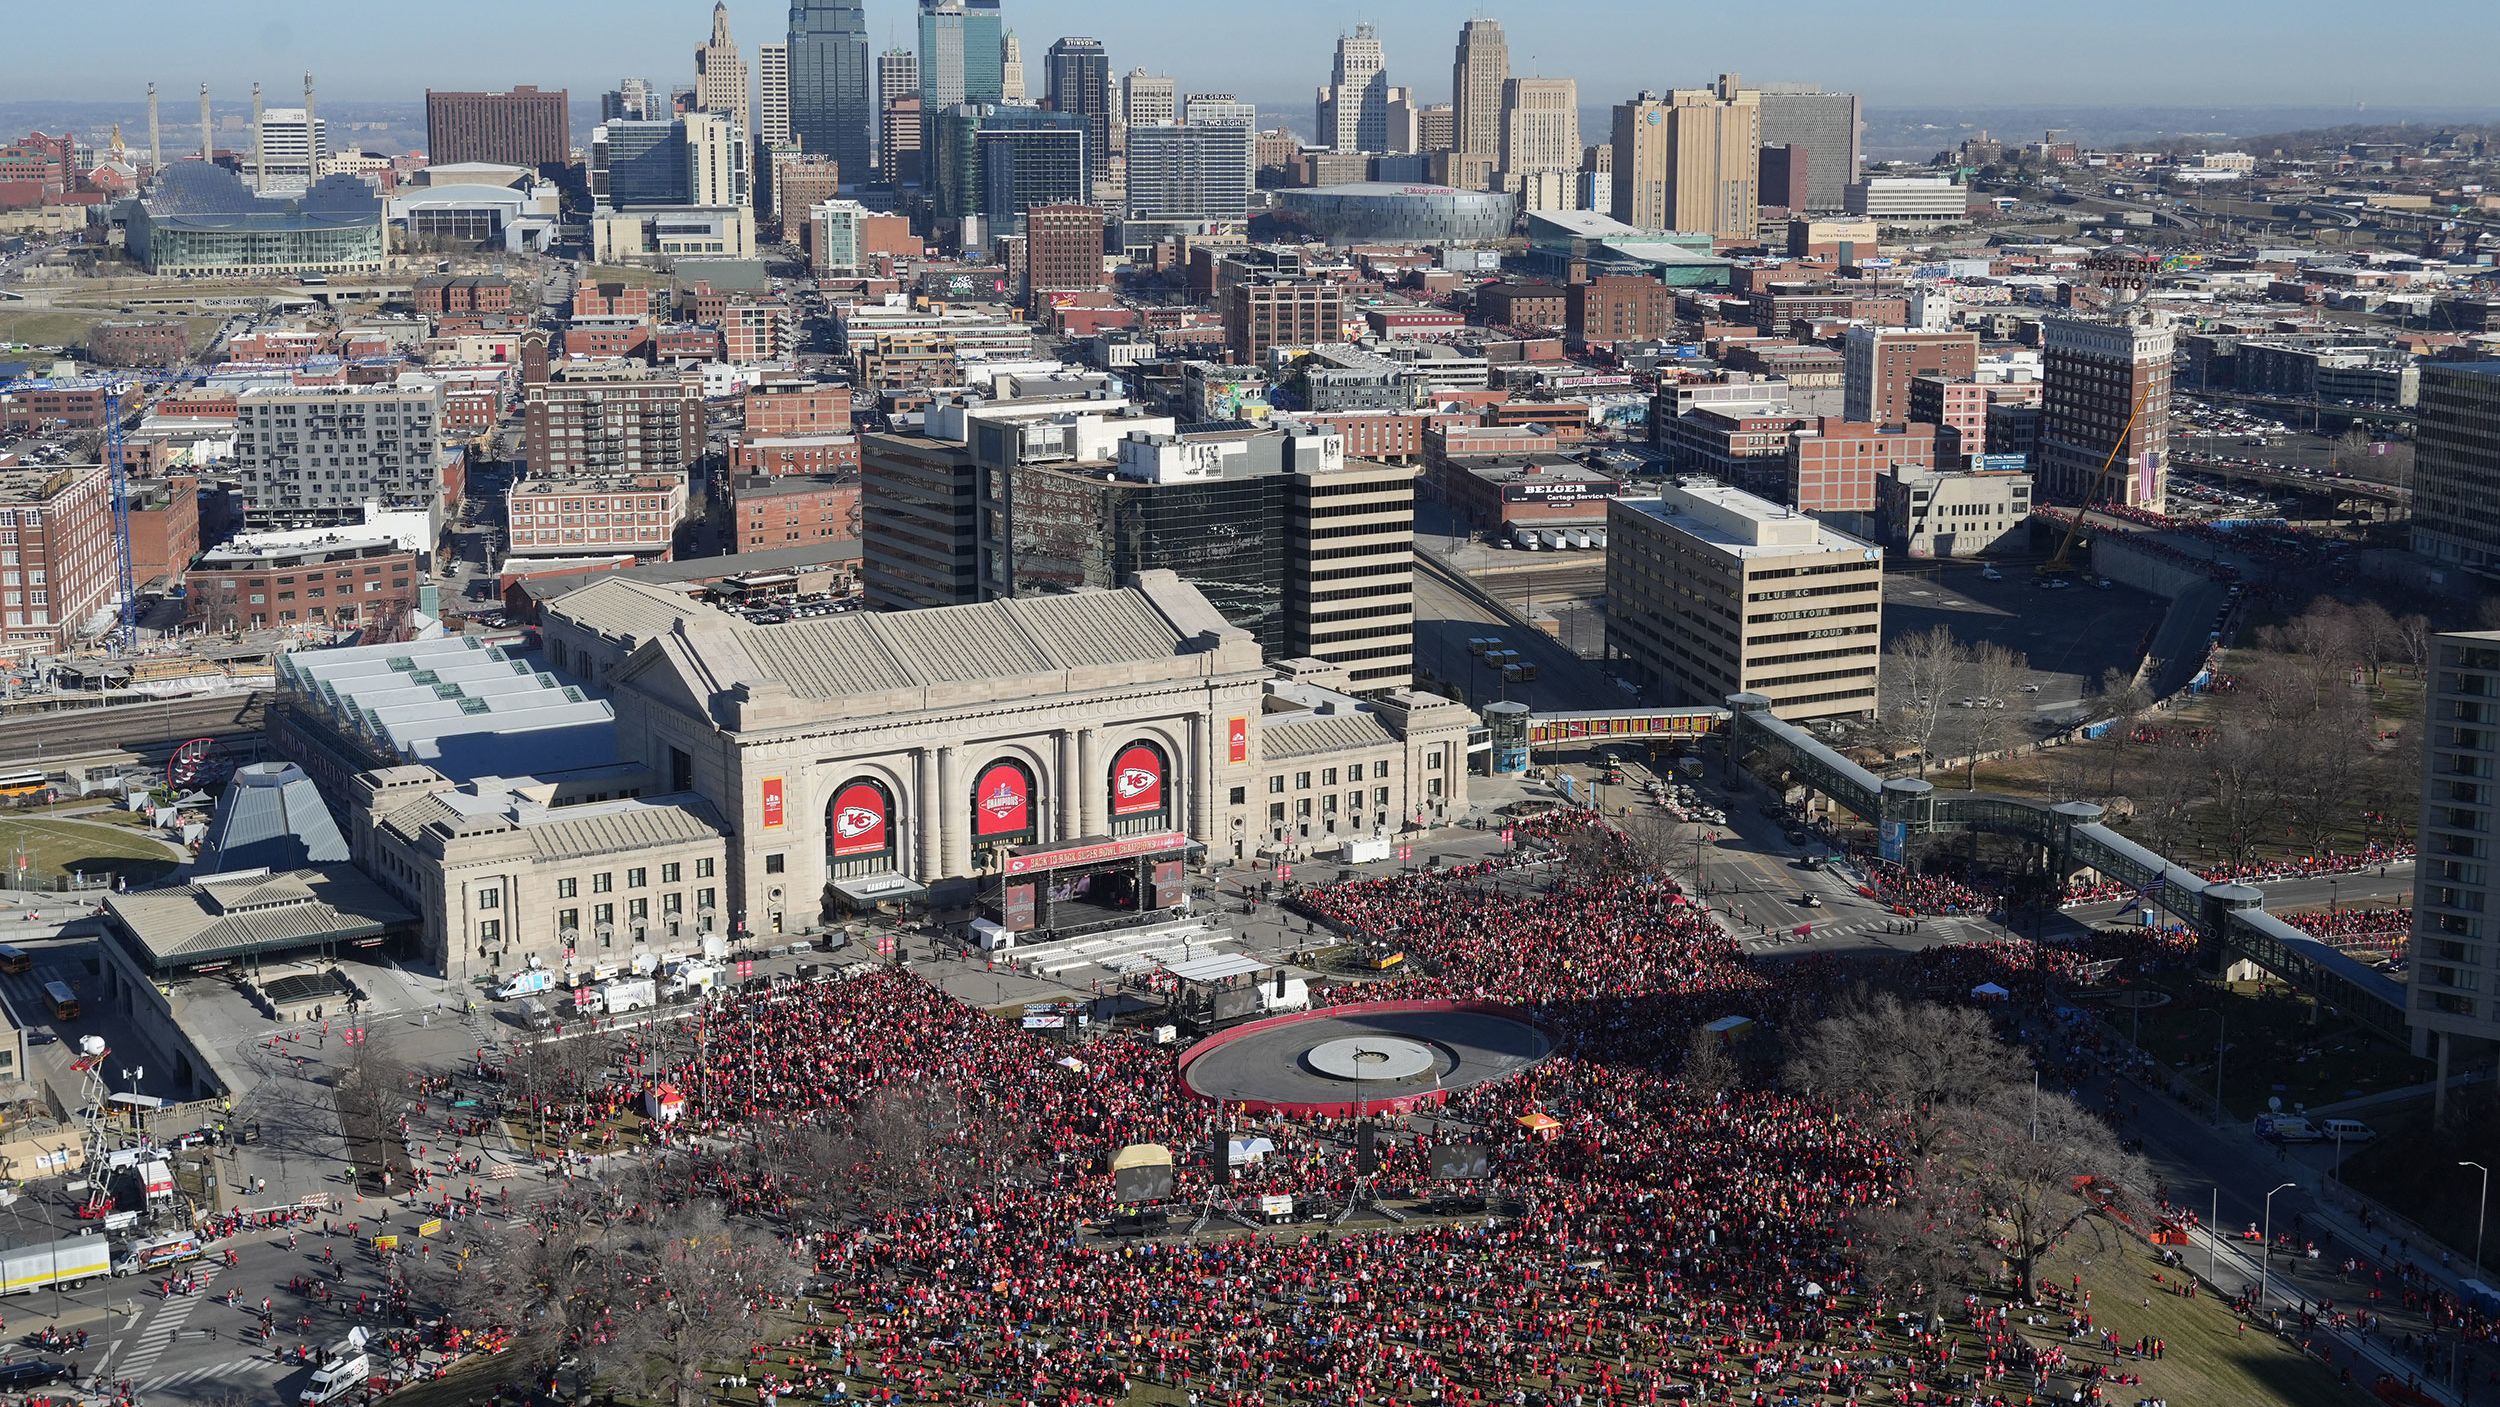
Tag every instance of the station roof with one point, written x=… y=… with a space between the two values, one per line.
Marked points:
x=253 y=913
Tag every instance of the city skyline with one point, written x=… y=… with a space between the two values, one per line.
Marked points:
x=2221 y=55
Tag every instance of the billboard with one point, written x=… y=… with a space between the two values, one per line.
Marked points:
x=1002 y=801
x=1237 y=741
x=863 y=822
x=1137 y=780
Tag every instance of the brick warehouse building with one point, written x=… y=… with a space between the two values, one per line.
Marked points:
x=59 y=568
x=343 y=582
x=793 y=510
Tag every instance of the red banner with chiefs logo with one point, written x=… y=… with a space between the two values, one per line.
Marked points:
x=1137 y=780
x=774 y=802
x=860 y=823
x=1002 y=801
x=1237 y=740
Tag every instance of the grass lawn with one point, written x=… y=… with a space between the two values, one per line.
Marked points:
x=2276 y=1049
x=2208 y=1360
x=55 y=848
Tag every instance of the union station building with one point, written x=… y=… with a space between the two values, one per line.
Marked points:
x=660 y=769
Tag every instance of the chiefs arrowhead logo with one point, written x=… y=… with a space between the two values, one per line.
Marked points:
x=1134 y=782
x=852 y=822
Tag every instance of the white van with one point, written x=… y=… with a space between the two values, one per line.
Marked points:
x=2346 y=1130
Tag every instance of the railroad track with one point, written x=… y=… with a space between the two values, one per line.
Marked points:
x=49 y=739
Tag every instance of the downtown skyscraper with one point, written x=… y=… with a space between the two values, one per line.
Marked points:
x=832 y=102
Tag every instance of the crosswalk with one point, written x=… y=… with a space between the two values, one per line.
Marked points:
x=139 y=1351
x=173 y=1384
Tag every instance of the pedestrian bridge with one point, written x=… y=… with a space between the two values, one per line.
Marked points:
x=2232 y=916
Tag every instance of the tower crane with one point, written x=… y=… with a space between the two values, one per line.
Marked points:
x=126 y=626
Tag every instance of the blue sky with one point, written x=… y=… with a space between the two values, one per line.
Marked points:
x=2428 y=53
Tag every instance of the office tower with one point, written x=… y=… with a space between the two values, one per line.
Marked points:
x=1825 y=126
x=1203 y=108
x=1879 y=363
x=1191 y=173
x=1690 y=160
x=831 y=102
x=1149 y=99
x=1011 y=87
x=898 y=75
x=637 y=163
x=1540 y=141
x=772 y=94
x=680 y=100
x=1478 y=101
x=800 y=183
x=717 y=160
x=2104 y=383
x=1027 y=157
x=1436 y=127
x=2453 y=889
x=898 y=140
x=289 y=142
x=523 y=127
x=962 y=52
x=1062 y=250
x=2456 y=467
x=720 y=71
x=1080 y=82
x=1354 y=105
x=631 y=100
x=1680 y=570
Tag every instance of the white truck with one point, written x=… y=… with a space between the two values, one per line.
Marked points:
x=344 y=1368
x=1364 y=852
x=690 y=979
x=46 y=1263
x=526 y=984
x=623 y=995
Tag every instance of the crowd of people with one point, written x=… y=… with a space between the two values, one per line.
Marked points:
x=2373 y=855
x=2357 y=927
x=1925 y=892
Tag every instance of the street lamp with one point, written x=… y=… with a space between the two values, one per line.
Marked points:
x=2265 y=1248
x=2482 y=1209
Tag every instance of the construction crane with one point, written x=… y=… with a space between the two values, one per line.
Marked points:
x=126 y=626
x=2057 y=565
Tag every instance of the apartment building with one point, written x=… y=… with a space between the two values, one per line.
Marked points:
x=1263 y=313
x=1832 y=464
x=342 y=581
x=57 y=566
x=317 y=454
x=1879 y=363
x=2454 y=987
x=613 y=417
x=2456 y=474
x=1712 y=591
x=596 y=515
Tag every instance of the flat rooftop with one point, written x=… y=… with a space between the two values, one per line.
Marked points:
x=1742 y=525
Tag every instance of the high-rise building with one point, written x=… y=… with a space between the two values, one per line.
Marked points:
x=1149 y=99
x=1786 y=179
x=2456 y=465
x=1826 y=127
x=772 y=94
x=898 y=76
x=1540 y=141
x=832 y=98
x=2104 y=386
x=1690 y=160
x=997 y=162
x=635 y=163
x=1478 y=103
x=290 y=142
x=1201 y=108
x=962 y=53
x=718 y=158
x=1011 y=88
x=720 y=72
x=1879 y=363
x=1682 y=570
x=523 y=127
x=1354 y=104
x=1436 y=127
x=1079 y=72
x=317 y=454
x=1191 y=173
x=1062 y=250
x=2454 y=889
x=631 y=100
x=898 y=140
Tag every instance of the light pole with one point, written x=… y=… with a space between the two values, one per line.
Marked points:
x=2265 y=1248
x=2482 y=1209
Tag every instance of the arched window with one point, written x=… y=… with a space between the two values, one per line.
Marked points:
x=1140 y=787
x=1006 y=808
x=860 y=833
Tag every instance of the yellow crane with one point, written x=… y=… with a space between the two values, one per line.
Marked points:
x=2057 y=564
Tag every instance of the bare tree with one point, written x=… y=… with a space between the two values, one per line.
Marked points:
x=1917 y=673
x=2125 y=699
x=1993 y=724
x=685 y=1289
x=1911 y=1061
x=1708 y=1068
x=2043 y=1166
x=2413 y=642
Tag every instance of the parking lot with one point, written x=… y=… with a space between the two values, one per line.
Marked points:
x=2070 y=637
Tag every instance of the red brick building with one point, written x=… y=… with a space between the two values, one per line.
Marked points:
x=360 y=583
x=1062 y=250
x=1522 y=305
x=164 y=529
x=140 y=344
x=789 y=510
x=1613 y=308
x=1959 y=411
x=611 y=300
x=52 y=407
x=444 y=295
x=760 y=331
x=1879 y=363
x=1832 y=463
x=550 y=517
x=797 y=408
x=60 y=565
x=780 y=455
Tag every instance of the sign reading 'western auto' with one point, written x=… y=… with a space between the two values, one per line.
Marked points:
x=1002 y=800
x=861 y=825
x=1136 y=780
